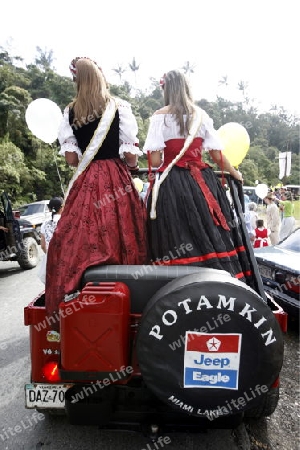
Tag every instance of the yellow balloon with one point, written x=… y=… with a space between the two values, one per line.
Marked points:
x=236 y=141
x=138 y=184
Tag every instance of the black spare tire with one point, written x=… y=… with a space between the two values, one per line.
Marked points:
x=209 y=345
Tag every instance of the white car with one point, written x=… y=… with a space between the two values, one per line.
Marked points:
x=36 y=213
x=279 y=266
x=250 y=192
x=144 y=191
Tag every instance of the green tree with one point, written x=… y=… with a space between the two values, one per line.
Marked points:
x=188 y=68
x=61 y=89
x=13 y=103
x=57 y=173
x=44 y=59
x=15 y=177
x=134 y=67
x=223 y=81
x=41 y=172
x=119 y=71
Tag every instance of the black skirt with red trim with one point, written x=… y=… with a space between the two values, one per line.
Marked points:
x=186 y=231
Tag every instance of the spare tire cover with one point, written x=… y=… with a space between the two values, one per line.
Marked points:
x=209 y=345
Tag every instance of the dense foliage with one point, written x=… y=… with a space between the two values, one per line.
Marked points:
x=31 y=170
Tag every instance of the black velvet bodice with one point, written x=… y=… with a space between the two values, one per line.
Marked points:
x=110 y=147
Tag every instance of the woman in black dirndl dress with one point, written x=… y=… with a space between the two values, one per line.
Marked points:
x=190 y=220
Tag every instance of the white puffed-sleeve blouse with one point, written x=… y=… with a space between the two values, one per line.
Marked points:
x=128 y=132
x=163 y=127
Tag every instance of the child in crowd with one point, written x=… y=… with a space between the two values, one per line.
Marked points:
x=261 y=235
x=55 y=206
x=252 y=206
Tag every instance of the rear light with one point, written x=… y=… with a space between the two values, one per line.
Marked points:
x=295 y=289
x=293 y=283
x=51 y=372
x=288 y=282
x=275 y=384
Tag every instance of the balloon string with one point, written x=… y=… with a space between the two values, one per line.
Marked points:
x=58 y=173
x=222 y=170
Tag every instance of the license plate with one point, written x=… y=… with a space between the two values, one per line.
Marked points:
x=265 y=272
x=45 y=395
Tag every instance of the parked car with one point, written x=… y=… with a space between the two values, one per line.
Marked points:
x=144 y=191
x=21 y=241
x=250 y=191
x=36 y=213
x=24 y=224
x=279 y=266
x=295 y=190
x=19 y=211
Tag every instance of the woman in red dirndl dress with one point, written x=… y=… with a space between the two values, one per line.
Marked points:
x=103 y=220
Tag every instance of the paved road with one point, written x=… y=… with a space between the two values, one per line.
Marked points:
x=24 y=429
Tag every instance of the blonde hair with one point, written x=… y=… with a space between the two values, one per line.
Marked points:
x=92 y=90
x=178 y=97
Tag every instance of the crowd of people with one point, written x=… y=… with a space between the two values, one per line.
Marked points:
x=103 y=220
x=279 y=223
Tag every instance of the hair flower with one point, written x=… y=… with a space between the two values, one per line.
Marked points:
x=72 y=65
x=162 y=81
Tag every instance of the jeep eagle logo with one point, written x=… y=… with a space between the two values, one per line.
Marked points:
x=213 y=344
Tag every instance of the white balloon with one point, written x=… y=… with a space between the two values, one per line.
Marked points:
x=43 y=118
x=261 y=190
x=138 y=184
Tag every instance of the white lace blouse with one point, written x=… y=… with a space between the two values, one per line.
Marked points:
x=163 y=127
x=128 y=132
x=48 y=228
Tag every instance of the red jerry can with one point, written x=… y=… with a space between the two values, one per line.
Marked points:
x=94 y=331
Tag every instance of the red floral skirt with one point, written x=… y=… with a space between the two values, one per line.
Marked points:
x=103 y=222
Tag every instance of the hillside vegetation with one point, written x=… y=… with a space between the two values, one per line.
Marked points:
x=31 y=170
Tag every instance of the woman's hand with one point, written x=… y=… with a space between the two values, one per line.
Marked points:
x=219 y=158
x=43 y=243
x=238 y=176
x=72 y=159
x=131 y=160
x=155 y=158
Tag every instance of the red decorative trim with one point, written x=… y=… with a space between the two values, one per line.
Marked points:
x=150 y=177
x=193 y=154
x=248 y=273
x=213 y=205
x=208 y=256
x=195 y=259
x=239 y=275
